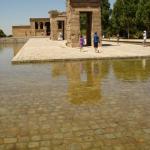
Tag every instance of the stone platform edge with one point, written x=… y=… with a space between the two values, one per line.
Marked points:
x=76 y=59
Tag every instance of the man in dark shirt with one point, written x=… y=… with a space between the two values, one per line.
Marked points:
x=96 y=41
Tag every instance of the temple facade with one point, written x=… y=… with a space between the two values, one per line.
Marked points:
x=40 y=26
x=81 y=18
x=37 y=27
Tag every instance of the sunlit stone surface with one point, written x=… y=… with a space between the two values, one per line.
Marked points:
x=45 y=50
x=88 y=105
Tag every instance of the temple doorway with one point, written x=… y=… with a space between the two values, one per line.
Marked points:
x=86 y=26
x=61 y=28
x=47 y=25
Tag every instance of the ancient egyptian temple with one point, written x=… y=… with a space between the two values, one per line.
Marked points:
x=82 y=17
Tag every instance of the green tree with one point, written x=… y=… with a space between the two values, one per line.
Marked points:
x=2 y=34
x=143 y=15
x=117 y=18
x=124 y=17
x=105 y=9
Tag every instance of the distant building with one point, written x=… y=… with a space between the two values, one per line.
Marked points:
x=37 y=27
x=21 y=31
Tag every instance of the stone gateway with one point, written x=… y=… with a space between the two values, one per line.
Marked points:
x=90 y=11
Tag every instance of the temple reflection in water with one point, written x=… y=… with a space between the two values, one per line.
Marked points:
x=129 y=70
x=84 y=80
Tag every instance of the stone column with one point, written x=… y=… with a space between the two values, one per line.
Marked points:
x=65 y=33
x=73 y=26
x=96 y=24
x=32 y=28
x=54 y=29
x=38 y=25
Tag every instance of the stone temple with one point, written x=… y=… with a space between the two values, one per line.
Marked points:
x=82 y=17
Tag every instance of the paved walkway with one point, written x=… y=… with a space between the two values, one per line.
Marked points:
x=126 y=40
x=44 y=50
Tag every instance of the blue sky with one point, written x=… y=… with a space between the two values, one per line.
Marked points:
x=18 y=12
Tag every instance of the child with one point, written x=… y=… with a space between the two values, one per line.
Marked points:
x=81 y=42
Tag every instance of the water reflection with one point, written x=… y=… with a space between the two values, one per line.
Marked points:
x=15 y=47
x=84 y=79
x=132 y=70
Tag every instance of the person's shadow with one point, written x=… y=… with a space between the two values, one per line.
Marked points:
x=108 y=45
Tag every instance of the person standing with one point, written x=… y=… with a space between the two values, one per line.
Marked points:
x=81 y=42
x=118 y=38
x=144 y=38
x=96 y=42
x=60 y=36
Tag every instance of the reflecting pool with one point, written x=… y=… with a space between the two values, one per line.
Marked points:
x=78 y=105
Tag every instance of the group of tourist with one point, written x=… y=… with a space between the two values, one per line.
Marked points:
x=96 y=41
x=144 y=38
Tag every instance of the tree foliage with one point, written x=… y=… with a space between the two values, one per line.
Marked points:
x=130 y=18
x=2 y=34
x=143 y=15
x=105 y=10
x=124 y=17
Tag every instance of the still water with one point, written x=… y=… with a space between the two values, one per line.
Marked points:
x=80 y=105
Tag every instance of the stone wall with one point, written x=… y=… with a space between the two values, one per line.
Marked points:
x=56 y=17
x=13 y=40
x=21 y=31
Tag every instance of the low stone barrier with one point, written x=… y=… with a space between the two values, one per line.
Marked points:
x=13 y=40
x=132 y=41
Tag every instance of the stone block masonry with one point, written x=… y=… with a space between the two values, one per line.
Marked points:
x=74 y=10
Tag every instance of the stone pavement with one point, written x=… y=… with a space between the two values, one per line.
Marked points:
x=45 y=50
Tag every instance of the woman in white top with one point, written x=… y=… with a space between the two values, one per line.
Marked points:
x=144 y=38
